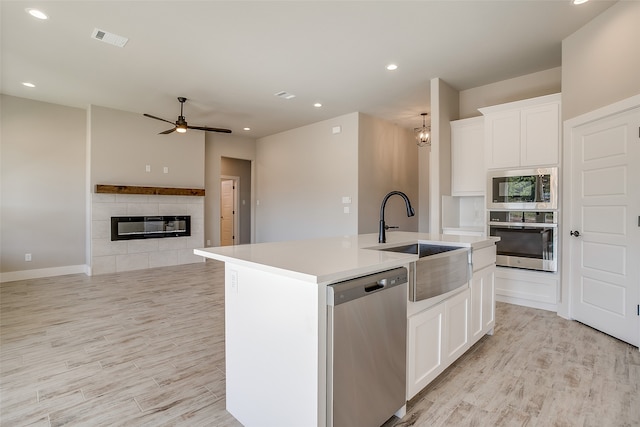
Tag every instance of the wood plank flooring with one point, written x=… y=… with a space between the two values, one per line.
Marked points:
x=146 y=348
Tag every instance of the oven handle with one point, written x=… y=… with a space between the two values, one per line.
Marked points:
x=523 y=224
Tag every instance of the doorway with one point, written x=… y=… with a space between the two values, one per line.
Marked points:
x=238 y=171
x=603 y=227
x=229 y=187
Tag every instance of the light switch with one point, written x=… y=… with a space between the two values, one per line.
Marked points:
x=147 y=168
x=165 y=169
x=346 y=200
x=336 y=129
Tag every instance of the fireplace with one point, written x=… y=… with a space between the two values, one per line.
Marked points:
x=149 y=227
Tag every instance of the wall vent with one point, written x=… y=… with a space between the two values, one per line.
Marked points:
x=110 y=38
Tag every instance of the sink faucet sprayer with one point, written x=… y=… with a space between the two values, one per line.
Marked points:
x=382 y=237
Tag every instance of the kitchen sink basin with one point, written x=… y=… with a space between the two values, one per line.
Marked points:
x=421 y=249
x=440 y=269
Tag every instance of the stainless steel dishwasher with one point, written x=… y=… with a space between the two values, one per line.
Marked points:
x=366 y=361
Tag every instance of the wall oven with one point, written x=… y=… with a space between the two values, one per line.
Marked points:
x=531 y=189
x=527 y=239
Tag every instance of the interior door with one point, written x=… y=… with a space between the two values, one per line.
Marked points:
x=605 y=225
x=227 y=213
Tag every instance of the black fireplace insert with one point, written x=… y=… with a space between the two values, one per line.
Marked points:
x=149 y=227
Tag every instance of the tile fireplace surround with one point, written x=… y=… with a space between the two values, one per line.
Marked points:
x=125 y=255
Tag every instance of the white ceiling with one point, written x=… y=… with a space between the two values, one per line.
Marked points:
x=230 y=57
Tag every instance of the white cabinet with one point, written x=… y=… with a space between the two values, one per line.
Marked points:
x=456 y=326
x=440 y=334
x=467 y=157
x=437 y=337
x=522 y=133
x=482 y=302
x=424 y=350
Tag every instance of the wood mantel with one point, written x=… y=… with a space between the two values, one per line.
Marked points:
x=162 y=191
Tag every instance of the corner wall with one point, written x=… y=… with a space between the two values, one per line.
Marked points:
x=302 y=175
x=217 y=146
x=387 y=161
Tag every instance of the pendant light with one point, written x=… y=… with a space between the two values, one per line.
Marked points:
x=423 y=134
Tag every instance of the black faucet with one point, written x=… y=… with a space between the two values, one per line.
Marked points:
x=382 y=237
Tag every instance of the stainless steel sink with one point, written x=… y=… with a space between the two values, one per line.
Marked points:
x=439 y=269
x=421 y=249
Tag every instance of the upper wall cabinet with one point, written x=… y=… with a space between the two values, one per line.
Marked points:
x=523 y=133
x=467 y=157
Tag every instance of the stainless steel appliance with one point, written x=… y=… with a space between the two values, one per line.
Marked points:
x=533 y=189
x=528 y=239
x=366 y=366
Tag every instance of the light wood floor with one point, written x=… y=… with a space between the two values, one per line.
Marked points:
x=147 y=349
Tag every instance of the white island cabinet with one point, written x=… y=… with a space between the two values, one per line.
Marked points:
x=440 y=333
x=276 y=319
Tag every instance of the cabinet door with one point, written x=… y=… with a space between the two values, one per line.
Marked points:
x=502 y=138
x=467 y=157
x=483 y=302
x=425 y=348
x=540 y=135
x=457 y=326
x=487 y=277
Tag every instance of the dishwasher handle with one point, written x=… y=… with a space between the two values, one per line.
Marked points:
x=349 y=290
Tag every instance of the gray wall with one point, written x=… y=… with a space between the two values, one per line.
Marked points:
x=601 y=61
x=444 y=110
x=301 y=176
x=43 y=185
x=241 y=169
x=387 y=161
x=528 y=86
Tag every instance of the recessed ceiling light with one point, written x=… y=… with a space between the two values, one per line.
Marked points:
x=247 y=128
x=36 y=13
x=317 y=105
x=579 y=1
x=392 y=67
x=28 y=84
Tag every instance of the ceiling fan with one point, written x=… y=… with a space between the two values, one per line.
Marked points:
x=181 y=125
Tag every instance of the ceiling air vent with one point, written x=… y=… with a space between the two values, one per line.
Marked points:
x=285 y=95
x=110 y=38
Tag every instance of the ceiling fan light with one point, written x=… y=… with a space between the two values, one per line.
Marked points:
x=181 y=128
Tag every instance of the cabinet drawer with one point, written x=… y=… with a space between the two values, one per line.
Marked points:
x=481 y=258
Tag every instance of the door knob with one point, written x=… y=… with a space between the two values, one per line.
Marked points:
x=575 y=233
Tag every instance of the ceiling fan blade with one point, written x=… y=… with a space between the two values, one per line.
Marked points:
x=210 y=129
x=157 y=118
x=167 y=131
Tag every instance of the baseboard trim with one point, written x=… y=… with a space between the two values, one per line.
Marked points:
x=12 y=276
x=527 y=303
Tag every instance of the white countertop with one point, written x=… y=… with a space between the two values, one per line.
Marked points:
x=333 y=259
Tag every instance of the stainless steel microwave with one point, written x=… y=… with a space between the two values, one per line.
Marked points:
x=532 y=189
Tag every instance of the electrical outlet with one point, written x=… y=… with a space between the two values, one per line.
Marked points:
x=27 y=257
x=234 y=280
x=165 y=169
x=208 y=242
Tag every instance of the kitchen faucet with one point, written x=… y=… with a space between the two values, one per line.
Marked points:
x=382 y=238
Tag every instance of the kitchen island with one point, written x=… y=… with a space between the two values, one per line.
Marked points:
x=276 y=318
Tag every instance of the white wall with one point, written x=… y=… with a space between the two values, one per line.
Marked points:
x=43 y=185
x=601 y=61
x=301 y=176
x=217 y=146
x=387 y=161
